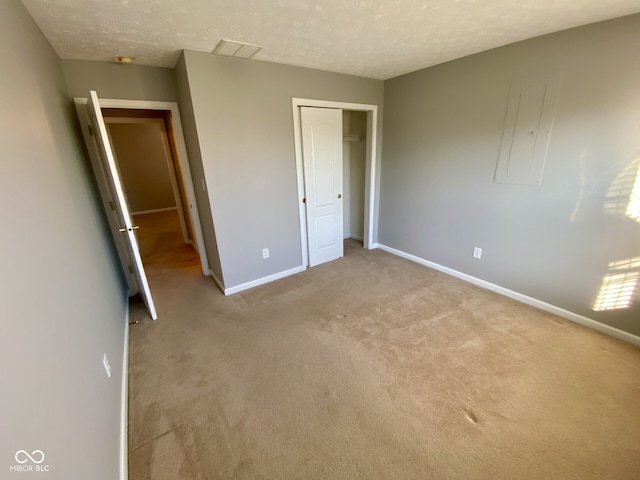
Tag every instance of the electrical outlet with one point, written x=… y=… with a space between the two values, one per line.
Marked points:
x=107 y=366
x=265 y=253
x=477 y=253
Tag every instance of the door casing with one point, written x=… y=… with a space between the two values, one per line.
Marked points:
x=370 y=167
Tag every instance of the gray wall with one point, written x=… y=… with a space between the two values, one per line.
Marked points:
x=197 y=173
x=554 y=242
x=242 y=111
x=113 y=80
x=142 y=161
x=63 y=301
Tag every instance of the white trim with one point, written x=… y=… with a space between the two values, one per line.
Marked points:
x=534 y=302
x=183 y=159
x=357 y=237
x=370 y=165
x=155 y=210
x=263 y=280
x=124 y=402
x=217 y=280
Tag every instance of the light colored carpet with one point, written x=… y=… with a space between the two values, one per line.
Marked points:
x=161 y=242
x=372 y=367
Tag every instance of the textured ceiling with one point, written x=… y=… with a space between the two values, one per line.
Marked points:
x=370 y=38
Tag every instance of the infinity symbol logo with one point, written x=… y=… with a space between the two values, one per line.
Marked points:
x=37 y=456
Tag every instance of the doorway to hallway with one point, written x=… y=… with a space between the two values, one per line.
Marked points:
x=161 y=243
x=115 y=202
x=154 y=187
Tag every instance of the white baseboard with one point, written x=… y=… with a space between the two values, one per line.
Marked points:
x=156 y=210
x=356 y=237
x=574 y=317
x=124 y=403
x=217 y=280
x=263 y=280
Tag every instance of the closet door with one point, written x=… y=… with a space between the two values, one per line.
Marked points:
x=322 y=159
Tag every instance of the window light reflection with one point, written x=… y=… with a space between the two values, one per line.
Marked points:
x=623 y=196
x=628 y=264
x=633 y=207
x=616 y=291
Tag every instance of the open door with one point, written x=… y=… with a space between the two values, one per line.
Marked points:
x=322 y=157
x=126 y=228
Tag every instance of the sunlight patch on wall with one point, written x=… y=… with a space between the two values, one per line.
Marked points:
x=623 y=195
x=617 y=290
x=633 y=208
x=628 y=264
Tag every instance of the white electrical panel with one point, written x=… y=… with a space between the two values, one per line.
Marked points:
x=530 y=114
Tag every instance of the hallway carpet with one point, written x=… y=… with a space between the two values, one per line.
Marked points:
x=161 y=243
x=372 y=367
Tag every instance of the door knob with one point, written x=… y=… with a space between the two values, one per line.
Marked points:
x=339 y=195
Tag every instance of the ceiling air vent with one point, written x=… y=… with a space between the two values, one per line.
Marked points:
x=236 y=49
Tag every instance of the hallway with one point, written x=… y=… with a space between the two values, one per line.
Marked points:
x=161 y=244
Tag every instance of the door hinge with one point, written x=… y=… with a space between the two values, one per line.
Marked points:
x=130 y=269
x=304 y=200
x=111 y=205
x=90 y=130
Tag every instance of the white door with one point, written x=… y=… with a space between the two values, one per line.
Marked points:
x=322 y=159
x=127 y=228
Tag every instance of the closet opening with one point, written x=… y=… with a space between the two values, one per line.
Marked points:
x=354 y=157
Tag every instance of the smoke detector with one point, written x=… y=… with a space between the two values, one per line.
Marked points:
x=232 y=48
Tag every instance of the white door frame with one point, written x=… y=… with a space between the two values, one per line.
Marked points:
x=183 y=159
x=370 y=166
